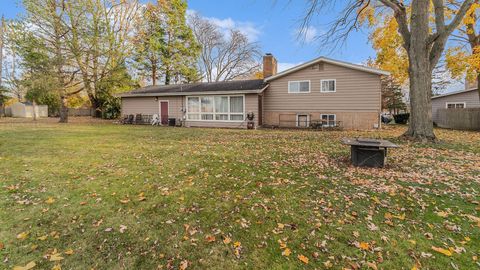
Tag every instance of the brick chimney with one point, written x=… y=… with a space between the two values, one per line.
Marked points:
x=269 y=65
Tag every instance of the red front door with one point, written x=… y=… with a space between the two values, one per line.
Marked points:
x=164 y=112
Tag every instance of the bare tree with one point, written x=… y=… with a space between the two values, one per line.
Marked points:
x=98 y=40
x=423 y=44
x=2 y=27
x=223 y=58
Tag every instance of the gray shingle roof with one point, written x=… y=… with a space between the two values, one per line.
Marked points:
x=233 y=86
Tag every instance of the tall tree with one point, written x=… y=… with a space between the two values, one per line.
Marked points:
x=2 y=27
x=464 y=58
x=98 y=40
x=424 y=45
x=45 y=20
x=149 y=39
x=180 y=51
x=223 y=58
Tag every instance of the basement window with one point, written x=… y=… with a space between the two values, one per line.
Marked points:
x=455 y=105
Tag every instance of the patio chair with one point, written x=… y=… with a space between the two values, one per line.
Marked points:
x=155 y=120
x=129 y=119
x=138 y=119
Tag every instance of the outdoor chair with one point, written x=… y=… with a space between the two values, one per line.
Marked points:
x=138 y=119
x=155 y=120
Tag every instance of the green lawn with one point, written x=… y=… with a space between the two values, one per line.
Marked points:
x=106 y=196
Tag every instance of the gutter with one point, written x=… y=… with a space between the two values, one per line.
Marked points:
x=130 y=94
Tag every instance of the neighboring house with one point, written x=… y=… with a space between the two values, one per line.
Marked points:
x=460 y=99
x=25 y=110
x=327 y=90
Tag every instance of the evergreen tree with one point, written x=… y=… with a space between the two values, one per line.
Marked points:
x=180 y=51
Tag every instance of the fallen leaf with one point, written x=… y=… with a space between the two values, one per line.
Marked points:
x=442 y=214
x=69 y=251
x=372 y=265
x=183 y=265
x=227 y=240
x=57 y=267
x=43 y=238
x=124 y=201
x=364 y=245
x=328 y=264
x=286 y=252
x=22 y=235
x=122 y=228
x=210 y=238
x=442 y=250
x=303 y=259
x=55 y=257
x=237 y=244
x=29 y=266
x=1 y=245
x=50 y=200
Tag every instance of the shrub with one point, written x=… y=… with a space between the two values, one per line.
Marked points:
x=401 y=118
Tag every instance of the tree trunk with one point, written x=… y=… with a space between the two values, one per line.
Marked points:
x=34 y=108
x=420 y=74
x=167 y=77
x=478 y=84
x=154 y=74
x=63 y=110
x=96 y=106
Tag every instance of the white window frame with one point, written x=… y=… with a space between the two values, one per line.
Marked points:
x=214 y=113
x=450 y=103
x=334 y=119
x=299 y=92
x=303 y=114
x=328 y=80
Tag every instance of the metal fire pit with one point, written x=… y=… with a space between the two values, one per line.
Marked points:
x=368 y=152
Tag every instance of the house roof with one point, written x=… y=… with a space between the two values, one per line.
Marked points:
x=330 y=61
x=454 y=93
x=229 y=87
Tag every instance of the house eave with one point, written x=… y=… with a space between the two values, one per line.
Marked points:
x=330 y=61
x=229 y=92
x=454 y=93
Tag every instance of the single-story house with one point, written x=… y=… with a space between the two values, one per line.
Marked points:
x=457 y=110
x=467 y=98
x=25 y=110
x=323 y=90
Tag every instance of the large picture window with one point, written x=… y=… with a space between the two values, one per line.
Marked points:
x=216 y=108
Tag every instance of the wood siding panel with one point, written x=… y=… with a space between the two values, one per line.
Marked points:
x=470 y=98
x=355 y=91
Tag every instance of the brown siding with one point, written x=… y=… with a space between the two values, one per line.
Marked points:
x=148 y=105
x=470 y=98
x=356 y=92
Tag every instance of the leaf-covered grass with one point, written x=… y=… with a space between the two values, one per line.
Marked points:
x=141 y=197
